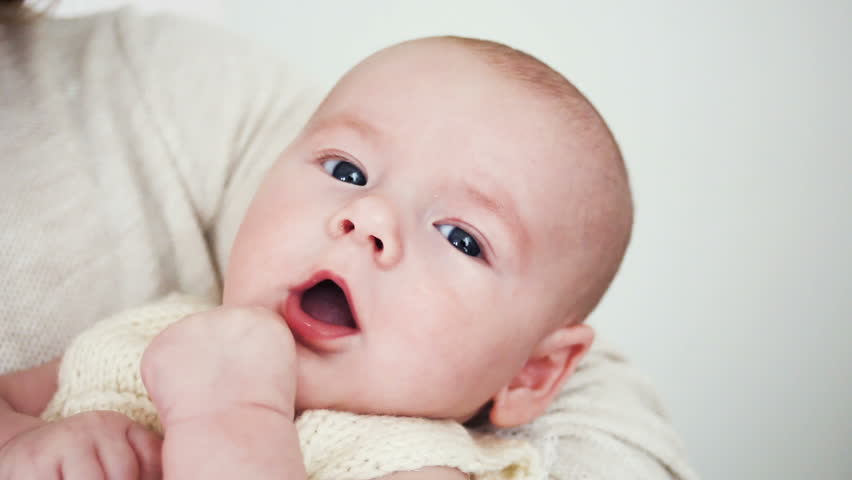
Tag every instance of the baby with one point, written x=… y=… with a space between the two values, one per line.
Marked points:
x=429 y=246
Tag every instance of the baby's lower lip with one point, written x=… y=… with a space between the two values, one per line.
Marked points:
x=308 y=330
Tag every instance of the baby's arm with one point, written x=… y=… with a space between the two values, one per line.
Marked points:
x=249 y=442
x=226 y=403
x=104 y=445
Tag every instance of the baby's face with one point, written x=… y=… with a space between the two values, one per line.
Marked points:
x=413 y=237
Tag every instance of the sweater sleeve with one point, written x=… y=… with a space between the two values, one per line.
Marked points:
x=225 y=109
x=101 y=368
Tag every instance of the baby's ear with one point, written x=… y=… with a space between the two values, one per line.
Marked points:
x=552 y=361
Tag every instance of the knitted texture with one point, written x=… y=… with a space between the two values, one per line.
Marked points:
x=101 y=368
x=340 y=445
x=101 y=371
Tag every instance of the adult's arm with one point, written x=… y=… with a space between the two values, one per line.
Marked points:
x=23 y=395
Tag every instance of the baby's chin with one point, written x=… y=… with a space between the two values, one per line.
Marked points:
x=476 y=417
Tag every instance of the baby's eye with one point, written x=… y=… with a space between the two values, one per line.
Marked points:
x=460 y=239
x=344 y=171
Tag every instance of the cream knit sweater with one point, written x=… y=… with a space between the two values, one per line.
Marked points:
x=130 y=148
x=100 y=371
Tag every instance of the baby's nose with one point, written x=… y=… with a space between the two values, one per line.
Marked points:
x=372 y=221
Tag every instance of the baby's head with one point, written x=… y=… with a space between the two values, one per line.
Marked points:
x=437 y=234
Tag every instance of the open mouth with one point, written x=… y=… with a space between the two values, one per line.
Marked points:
x=326 y=301
x=320 y=311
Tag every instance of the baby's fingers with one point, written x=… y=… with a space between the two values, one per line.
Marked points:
x=116 y=456
x=148 y=447
x=81 y=464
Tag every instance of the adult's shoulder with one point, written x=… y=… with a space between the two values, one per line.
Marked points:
x=227 y=107
x=179 y=96
x=183 y=64
x=154 y=41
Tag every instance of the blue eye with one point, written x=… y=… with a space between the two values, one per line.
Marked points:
x=344 y=171
x=460 y=239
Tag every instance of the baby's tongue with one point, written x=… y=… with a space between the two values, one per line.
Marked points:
x=326 y=302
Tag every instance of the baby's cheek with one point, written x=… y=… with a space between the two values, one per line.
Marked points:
x=466 y=385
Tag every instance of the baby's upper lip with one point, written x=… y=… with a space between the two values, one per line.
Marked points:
x=323 y=275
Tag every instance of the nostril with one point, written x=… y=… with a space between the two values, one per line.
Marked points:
x=347 y=226
x=379 y=244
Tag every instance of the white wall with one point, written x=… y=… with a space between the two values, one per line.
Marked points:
x=736 y=120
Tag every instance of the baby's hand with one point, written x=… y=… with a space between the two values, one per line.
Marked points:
x=218 y=360
x=91 y=445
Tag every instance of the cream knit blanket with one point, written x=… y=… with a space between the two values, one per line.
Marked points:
x=100 y=371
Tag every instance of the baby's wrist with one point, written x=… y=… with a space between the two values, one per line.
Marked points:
x=218 y=412
x=250 y=440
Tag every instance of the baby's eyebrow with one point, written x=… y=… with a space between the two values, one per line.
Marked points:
x=504 y=209
x=347 y=121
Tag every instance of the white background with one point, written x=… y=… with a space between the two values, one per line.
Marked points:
x=736 y=121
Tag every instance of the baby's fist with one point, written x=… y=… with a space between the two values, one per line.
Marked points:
x=92 y=445
x=219 y=359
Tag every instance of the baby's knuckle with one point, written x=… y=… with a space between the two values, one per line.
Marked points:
x=147 y=442
x=244 y=312
x=195 y=319
x=68 y=428
x=260 y=311
x=104 y=419
x=120 y=467
x=31 y=452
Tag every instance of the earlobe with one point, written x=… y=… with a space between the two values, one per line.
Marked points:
x=551 y=363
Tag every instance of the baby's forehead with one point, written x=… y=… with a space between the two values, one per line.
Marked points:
x=472 y=80
x=499 y=120
x=482 y=59
x=499 y=141
x=481 y=155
